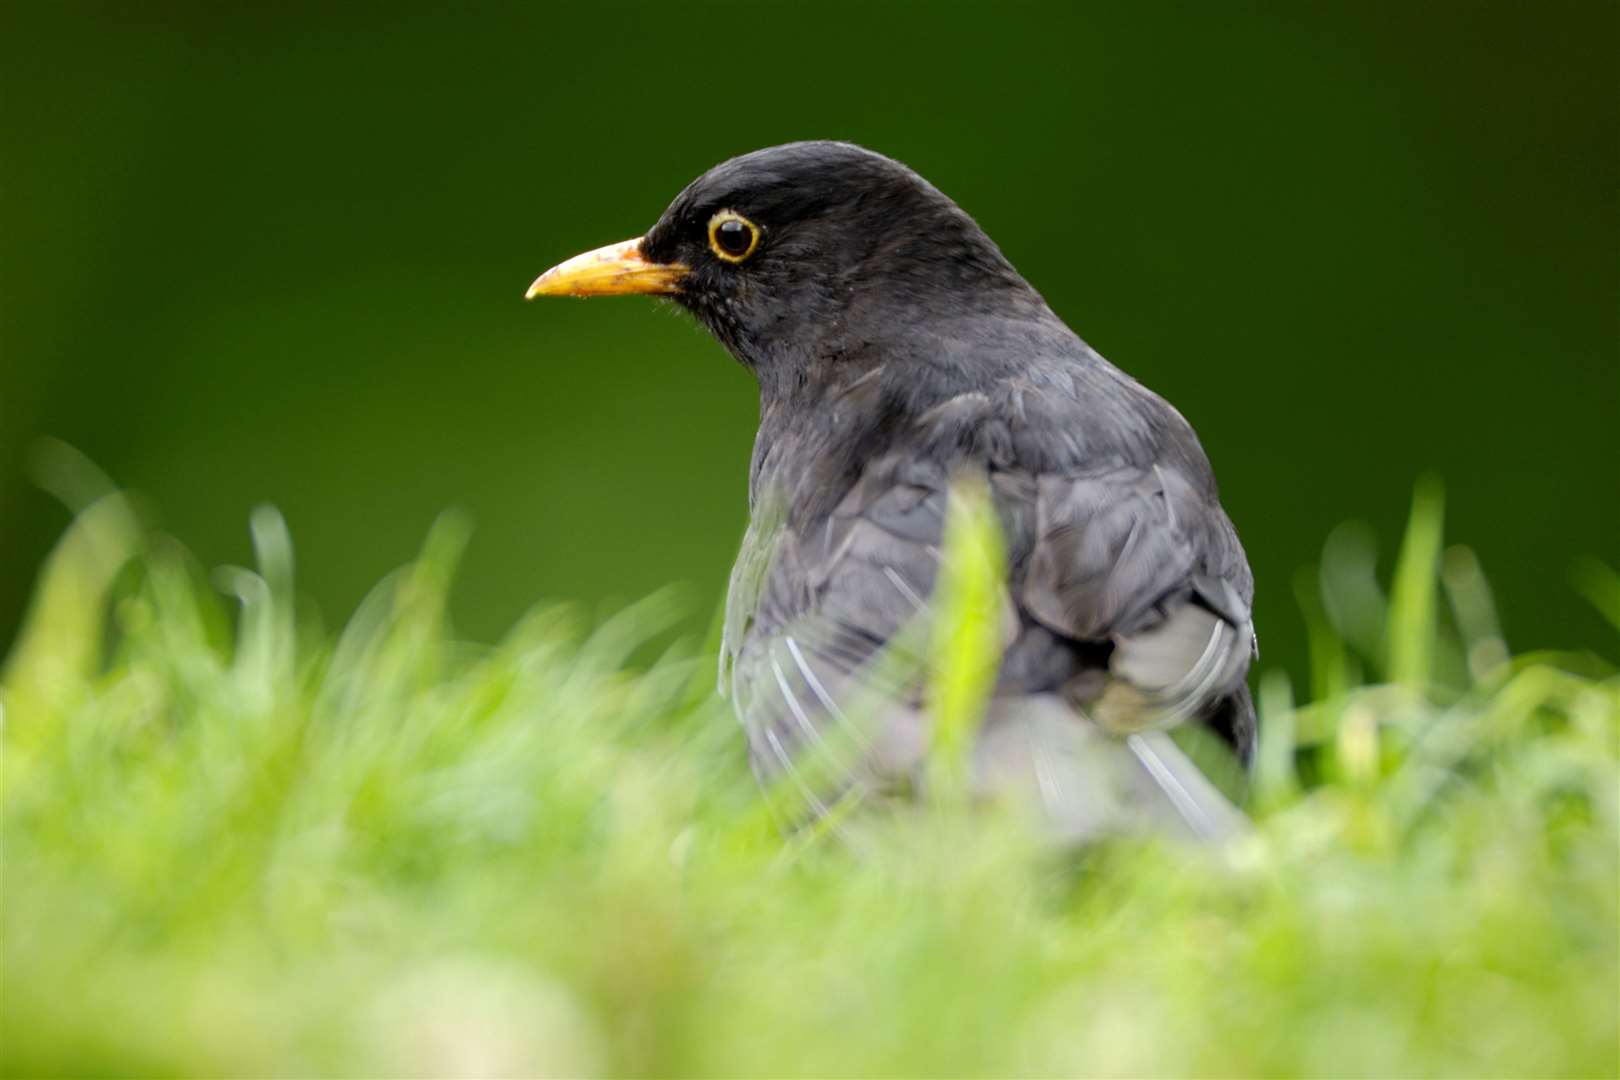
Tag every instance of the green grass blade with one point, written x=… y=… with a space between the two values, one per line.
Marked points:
x=969 y=610
x=1412 y=625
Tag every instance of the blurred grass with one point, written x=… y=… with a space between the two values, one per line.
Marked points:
x=243 y=845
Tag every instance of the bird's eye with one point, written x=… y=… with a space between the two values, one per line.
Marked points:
x=732 y=236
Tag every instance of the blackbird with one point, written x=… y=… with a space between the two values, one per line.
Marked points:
x=897 y=350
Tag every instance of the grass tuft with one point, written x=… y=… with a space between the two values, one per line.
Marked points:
x=235 y=845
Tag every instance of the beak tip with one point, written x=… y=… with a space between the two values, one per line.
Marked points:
x=615 y=270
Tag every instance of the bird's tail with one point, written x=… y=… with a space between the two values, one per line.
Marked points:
x=1091 y=783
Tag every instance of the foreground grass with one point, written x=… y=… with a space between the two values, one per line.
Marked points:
x=238 y=845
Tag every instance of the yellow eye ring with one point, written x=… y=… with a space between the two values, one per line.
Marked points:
x=732 y=237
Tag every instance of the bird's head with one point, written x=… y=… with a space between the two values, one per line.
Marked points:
x=804 y=251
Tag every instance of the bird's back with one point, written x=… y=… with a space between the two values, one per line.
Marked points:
x=1127 y=606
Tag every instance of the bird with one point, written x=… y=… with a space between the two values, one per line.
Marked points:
x=896 y=351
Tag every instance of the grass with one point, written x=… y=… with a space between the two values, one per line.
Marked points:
x=237 y=844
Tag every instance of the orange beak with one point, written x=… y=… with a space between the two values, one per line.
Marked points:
x=616 y=270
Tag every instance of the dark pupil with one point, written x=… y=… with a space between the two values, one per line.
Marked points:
x=734 y=237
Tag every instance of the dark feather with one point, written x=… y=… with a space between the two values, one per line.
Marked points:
x=896 y=347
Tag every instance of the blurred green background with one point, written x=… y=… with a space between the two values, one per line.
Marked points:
x=261 y=253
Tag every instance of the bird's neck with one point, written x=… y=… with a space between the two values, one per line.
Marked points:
x=835 y=407
x=813 y=435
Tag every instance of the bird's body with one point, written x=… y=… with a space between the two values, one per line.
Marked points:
x=899 y=353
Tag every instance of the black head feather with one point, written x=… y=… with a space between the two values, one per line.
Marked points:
x=854 y=247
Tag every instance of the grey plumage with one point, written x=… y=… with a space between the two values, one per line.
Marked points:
x=895 y=349
x=1129 y=610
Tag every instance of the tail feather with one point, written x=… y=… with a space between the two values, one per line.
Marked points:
x=1091 y=783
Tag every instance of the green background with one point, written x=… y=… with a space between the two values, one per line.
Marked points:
x=259 y=253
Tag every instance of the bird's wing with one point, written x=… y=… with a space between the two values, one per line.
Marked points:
x=819 y=654
x=1127 y=559
x=1141 y=565
x=1143 y=559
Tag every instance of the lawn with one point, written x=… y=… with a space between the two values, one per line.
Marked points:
x=238 y=842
